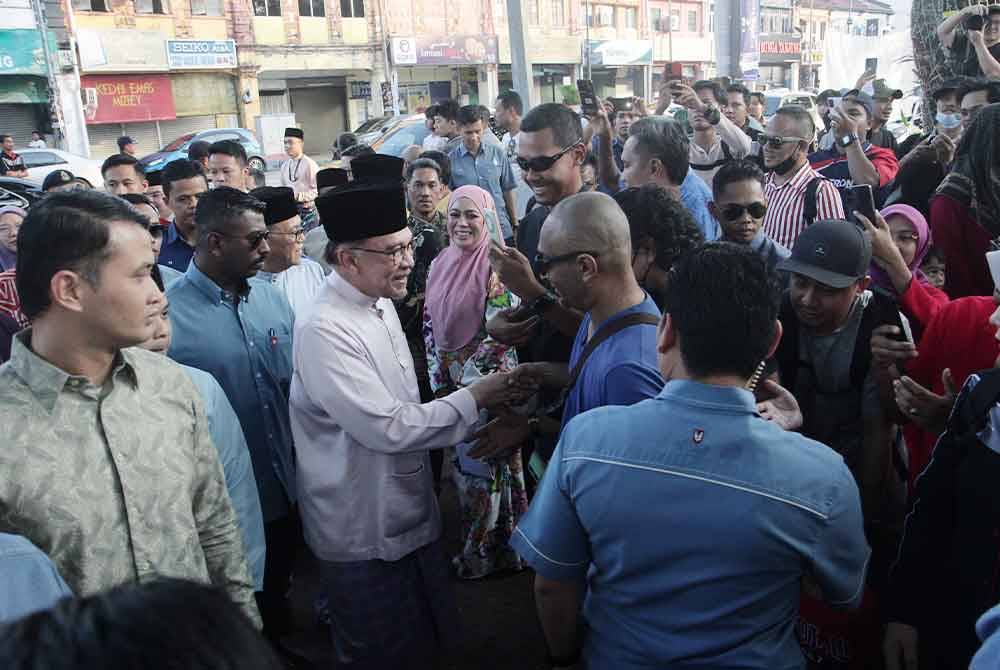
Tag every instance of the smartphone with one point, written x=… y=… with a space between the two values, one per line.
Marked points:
x=862 y=200
x=871 y=65
x=907 y=331
x=834 y=102
x=493 y=228
x=588 y=99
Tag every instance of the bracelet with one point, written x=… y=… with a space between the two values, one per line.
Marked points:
x=564 y=661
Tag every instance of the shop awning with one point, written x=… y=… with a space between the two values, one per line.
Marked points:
x=23 y=90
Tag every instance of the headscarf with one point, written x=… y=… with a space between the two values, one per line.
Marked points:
x=974 y=180
x=459 y=279
x=923 y=231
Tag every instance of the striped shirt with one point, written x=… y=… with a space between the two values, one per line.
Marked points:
x=786 y=205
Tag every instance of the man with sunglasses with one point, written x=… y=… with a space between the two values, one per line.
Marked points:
x=740 y=206
x=796 y=194
x=238 y=327
x=298 y=277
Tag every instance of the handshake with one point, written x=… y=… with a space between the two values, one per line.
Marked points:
x=502 y=390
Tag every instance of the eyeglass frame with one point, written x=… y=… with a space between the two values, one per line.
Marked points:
x=743 y=209
x=524 y=164
x=390 y=253
x=298 y=232
x=253 y=239
x=545 y=264
x=764 y=139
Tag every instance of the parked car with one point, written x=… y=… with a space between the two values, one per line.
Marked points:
x=372 y=129
x=20 y=192
x=406 y=130
x=779 y=97
x=179 y=147
x=41 y=162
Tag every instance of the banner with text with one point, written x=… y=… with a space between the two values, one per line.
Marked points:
x=201 y=54
x=750 y=39
x=441 y=50
x=126 y=98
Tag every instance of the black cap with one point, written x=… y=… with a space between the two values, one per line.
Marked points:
x=331 y=177
x=57 y=178
x=360 y=210
x=155 y=178
x=862 y=99
x=377 y=166
x=835 y=253
x=279 y=201
x=124 y=140
x=295 y=132
x=947 y=87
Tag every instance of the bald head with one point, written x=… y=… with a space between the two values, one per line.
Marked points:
x=590 y=222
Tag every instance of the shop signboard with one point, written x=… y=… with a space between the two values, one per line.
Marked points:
x=361 y=90
x=620 y=52
x=750 y=39
x=127 y=98
x=780 y=48
x=21 y=52
x=121 y=50
x=201 y=54
x=445 y=50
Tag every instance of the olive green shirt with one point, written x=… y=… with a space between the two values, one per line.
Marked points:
x=117 y=483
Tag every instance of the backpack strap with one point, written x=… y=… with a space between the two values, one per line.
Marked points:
x=603 y=334
x=727 y=157
x=727 y=154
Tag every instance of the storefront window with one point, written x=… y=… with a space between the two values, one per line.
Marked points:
x=90 y=6
x=692 y=22
x=151 y=7
x=558 y=12
x=352 y=8
x=206 y=7
x=311 y=8
x=533 y=11
x=267 y=7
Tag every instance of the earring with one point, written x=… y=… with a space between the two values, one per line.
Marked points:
x=755 y=377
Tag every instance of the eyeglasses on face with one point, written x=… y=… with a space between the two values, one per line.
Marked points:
x=298 y=233
x=254 y=239
x=544 y=263
x=543 y=163
x=395 y=254
x=776 y=141
x=733 y=212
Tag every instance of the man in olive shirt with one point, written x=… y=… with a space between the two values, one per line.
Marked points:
x=107 y=461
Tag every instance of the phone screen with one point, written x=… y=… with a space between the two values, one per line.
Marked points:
x=871 y=65
x=493 y=227
x=862 y=200
x=588 y=99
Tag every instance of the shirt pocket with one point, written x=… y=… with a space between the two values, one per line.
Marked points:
x=406 y=493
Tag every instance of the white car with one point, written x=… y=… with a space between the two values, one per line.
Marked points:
x=41 y=162
x=779 y=97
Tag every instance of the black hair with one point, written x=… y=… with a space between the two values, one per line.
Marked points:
x=199 y=150
x=742 y=90
x=717 y=92
x=4 y=138
x=591 y=160
x=511 y=100
x=219 y=208
x=160 y=625
x=948 y=87
x=137 y=199
x=723 y=302
x=663 y=138
x=934 y=253
x=345 y=141
x=229 y=148
x=37 y=132
x=259 y=178
x=431 y=111
x=179 y=170
x=485 y=114
x=469 y=114
x=759 y=95
x=652 y=213
x=734 y=172
x=424 y=163
x=976 y=84
x=560 y=119
x=66 y=231
x=117 y=160
x=441 y=158
x=800 y=115
x=356 y=150
x=448 y=110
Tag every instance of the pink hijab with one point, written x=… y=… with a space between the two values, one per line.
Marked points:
x=459 y=279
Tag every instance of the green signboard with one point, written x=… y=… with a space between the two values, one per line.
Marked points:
x=21 y=52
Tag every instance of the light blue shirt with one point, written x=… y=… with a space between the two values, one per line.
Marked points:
x=693 y=521
x=169 y=275
x=695 y=196
x=988 y=628
x=488 y=169
x=29 y=582
x=227 y=436
x=247 y=347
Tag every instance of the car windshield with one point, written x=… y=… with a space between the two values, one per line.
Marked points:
x=178 y=143
x=800 y=100
x=771 y=106
x=404 y=137
x=372 y=124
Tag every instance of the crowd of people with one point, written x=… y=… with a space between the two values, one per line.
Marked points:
x=722 y=382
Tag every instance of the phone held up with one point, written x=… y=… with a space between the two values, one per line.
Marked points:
x=861 y=199
x=588 y=99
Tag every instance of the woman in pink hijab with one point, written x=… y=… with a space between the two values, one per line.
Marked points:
x=463 y=293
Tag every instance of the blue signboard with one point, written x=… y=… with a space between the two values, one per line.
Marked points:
x=201 y=54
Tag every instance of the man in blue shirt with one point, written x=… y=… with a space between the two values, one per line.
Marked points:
x=485 y=165
x=239 y=328
x=184 y=182
x=29 y=581
x=691 y=520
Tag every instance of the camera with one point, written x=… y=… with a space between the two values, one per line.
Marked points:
x=973 y=22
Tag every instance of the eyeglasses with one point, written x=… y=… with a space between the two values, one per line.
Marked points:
x=395 y=255
x=544 y=263
x=298 y=233
x=254 y=239
x=775 y=141
x=543 y=163
x=733 y=212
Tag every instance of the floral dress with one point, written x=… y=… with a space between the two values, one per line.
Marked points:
x=490 y=505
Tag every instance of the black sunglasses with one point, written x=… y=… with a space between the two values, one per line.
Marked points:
x=733 y=212
x=544 y=263
x=543 y=163
x=775 y=141
x=254 y=239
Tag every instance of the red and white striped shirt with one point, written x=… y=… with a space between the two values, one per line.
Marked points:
x=786 y=205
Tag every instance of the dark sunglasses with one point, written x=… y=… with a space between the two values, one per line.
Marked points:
x=255 y=239
x=733 y=212
x=544 y=263
x=775 y=141
x=543 y=163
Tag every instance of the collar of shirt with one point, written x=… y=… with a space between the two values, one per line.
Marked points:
x=12 y=155
x=417 y=223
x=758 y=240
x=464 y=150
x=213 y=291
x=351 y=294
x=801 y=178
x=170 y=235
x=695 y=393
x=46 y=381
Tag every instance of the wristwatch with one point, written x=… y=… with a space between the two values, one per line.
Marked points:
x=543 y=302
x=847 y=140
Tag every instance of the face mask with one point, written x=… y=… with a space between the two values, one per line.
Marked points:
x=787 y=165
x=948 y=121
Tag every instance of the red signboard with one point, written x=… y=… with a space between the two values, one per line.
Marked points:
x=126 y=98
x=780 y=47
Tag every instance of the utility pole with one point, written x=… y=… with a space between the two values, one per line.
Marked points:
x=586 y=39
x=520 y=64
x=55 y=109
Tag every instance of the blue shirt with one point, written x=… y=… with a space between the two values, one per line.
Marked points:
x=769 y=250
x=175 y=252
x=227 y=436
x=693 y=522
x=247 y=347
x=488 y=169
x=29 y=582
x=622 y=370
x=695 y=196
x=988 y=628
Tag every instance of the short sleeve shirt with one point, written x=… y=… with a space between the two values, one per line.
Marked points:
x=489 y=169
x=963 y=56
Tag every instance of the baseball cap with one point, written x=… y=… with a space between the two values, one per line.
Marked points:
x=12 y=209
x=882 y=91
x=862 y=99
x=57 y=178
x=827 y=94
x=835 y=253
x=124 y=140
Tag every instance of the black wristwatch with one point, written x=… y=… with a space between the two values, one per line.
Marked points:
x=847 y=140
x=543 y=302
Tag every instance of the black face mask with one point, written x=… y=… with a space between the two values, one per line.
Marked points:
x=787 y=165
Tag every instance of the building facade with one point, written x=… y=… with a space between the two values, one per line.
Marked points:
x=817 y=19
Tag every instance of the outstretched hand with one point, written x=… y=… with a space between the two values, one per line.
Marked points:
x=782 y=409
